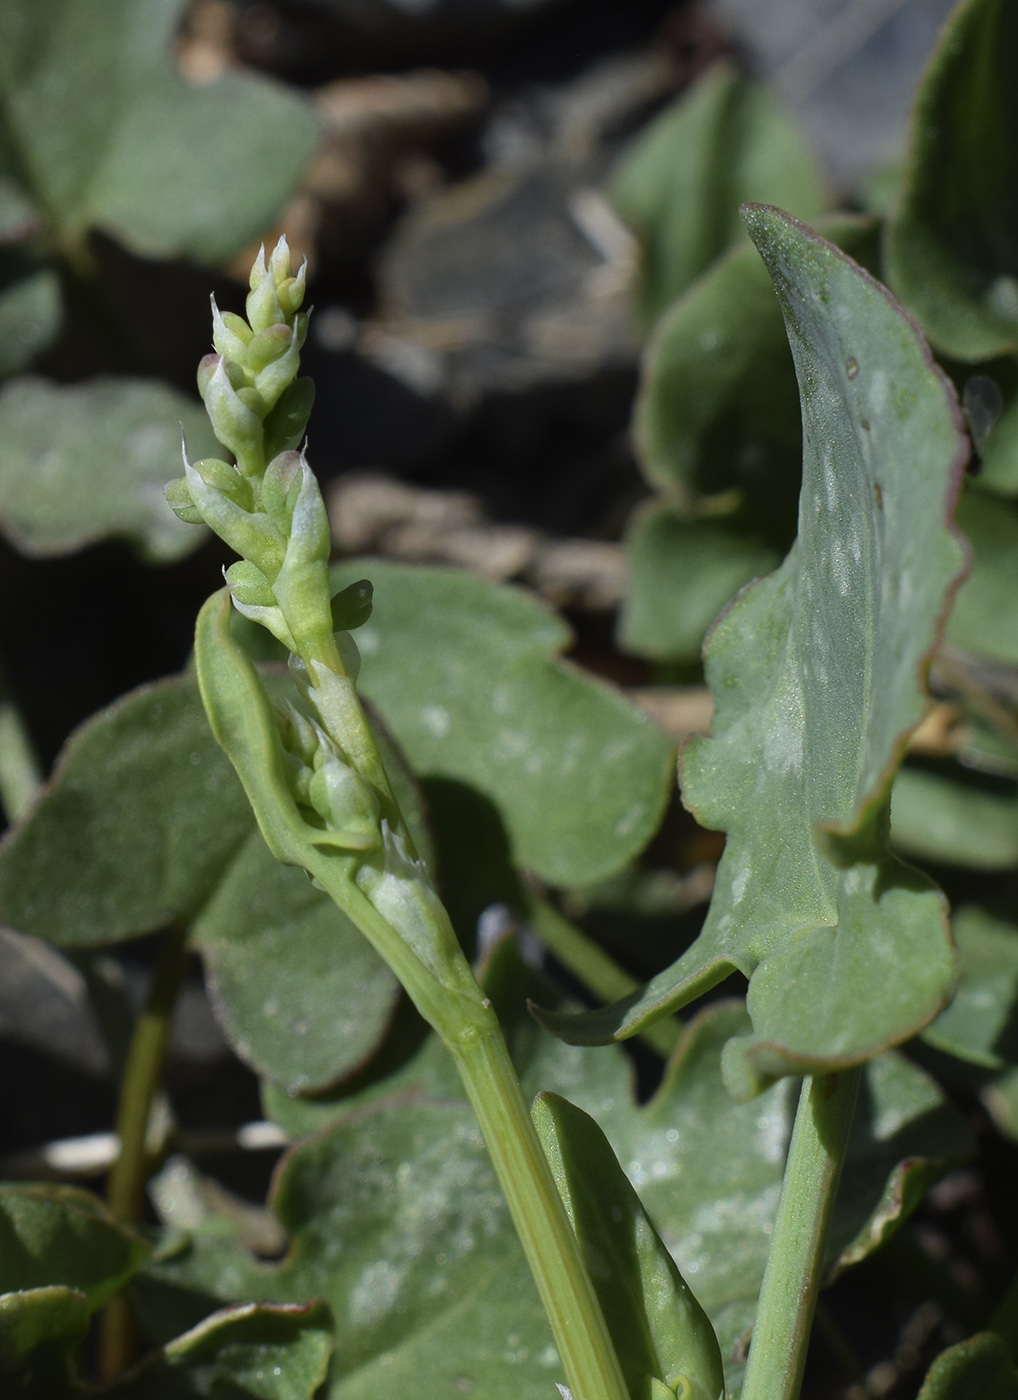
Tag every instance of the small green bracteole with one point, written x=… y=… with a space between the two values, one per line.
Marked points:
x=313 y=772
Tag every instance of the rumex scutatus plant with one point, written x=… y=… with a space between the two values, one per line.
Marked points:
x=677 y=1246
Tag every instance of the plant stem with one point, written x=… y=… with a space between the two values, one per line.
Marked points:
x=777 y=1353
x=125 y=1190
x=553 y=1252
x=20 y=776
x=593 y=966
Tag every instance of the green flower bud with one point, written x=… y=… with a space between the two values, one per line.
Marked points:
x=304 y=572
x=346 y=803
x=249 y=586
x=178 y=498
x=263 y=305
x=274 y=378
x=206 y=369
x=225 y=337
x=279 y=263
x=236 y=425
x=281 y=485
x=251 y=535
x=267 y=346
x=226 y=479
x=291 y=292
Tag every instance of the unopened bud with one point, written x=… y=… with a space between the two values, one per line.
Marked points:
x=251 y=535
x=206 y=369
x=274 y=378
x=282 y=477
x=226 y=338
x=346 y=803
x=226 y=479
x=236 y=425
x=263 y=305
x=267 y=346
x=248 y=585
x=178 y=498
x=291 y=292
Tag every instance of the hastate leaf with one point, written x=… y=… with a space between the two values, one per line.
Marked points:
x=86 y=462
x=102 y=133
x=817 y=677
x=952 y=244
x=144 y=823
x=468 y=677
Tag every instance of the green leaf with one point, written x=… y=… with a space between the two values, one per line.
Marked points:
x=816 y=676
x=978 y=1369
x=299 y=990
x=89 y=461
x=681 y=574
x=717 y=428
x=40 y=1329
x=681 y=183
x=265 y=1351
x=977 y=1026
x=984 y=619
x=952 y=245
x=101 y=131
x=956 y=818
x=62 y=1235
x=659 y=1329
x=29 y=309
x=904 y=1137
x=467 y=676
x=395 y=1203
x=144 y=824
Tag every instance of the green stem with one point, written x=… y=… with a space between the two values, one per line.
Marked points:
x=574 y=1313
x=593 y=966
x=125 y=1190
x=20 y=774
x=791 y=1283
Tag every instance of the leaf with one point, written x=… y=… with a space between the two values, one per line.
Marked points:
x=101 y=132
x=467 y=676
x=29 y=309
x=62 y=1235
x=984 y=619
x=681 y=574
x=659 y=1329
x=298 y=989
x=816 y=673
x=978 y=1025
x=717 y=428
x=40 y=1328
x=955 y=817
x=718 y=410
x=395 y=1205
x=265 y=1351
x=144 y=824
x=978 y=1369
x=681 y=183
x=904 y=1137
x=952 y=244
x=85 y=462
